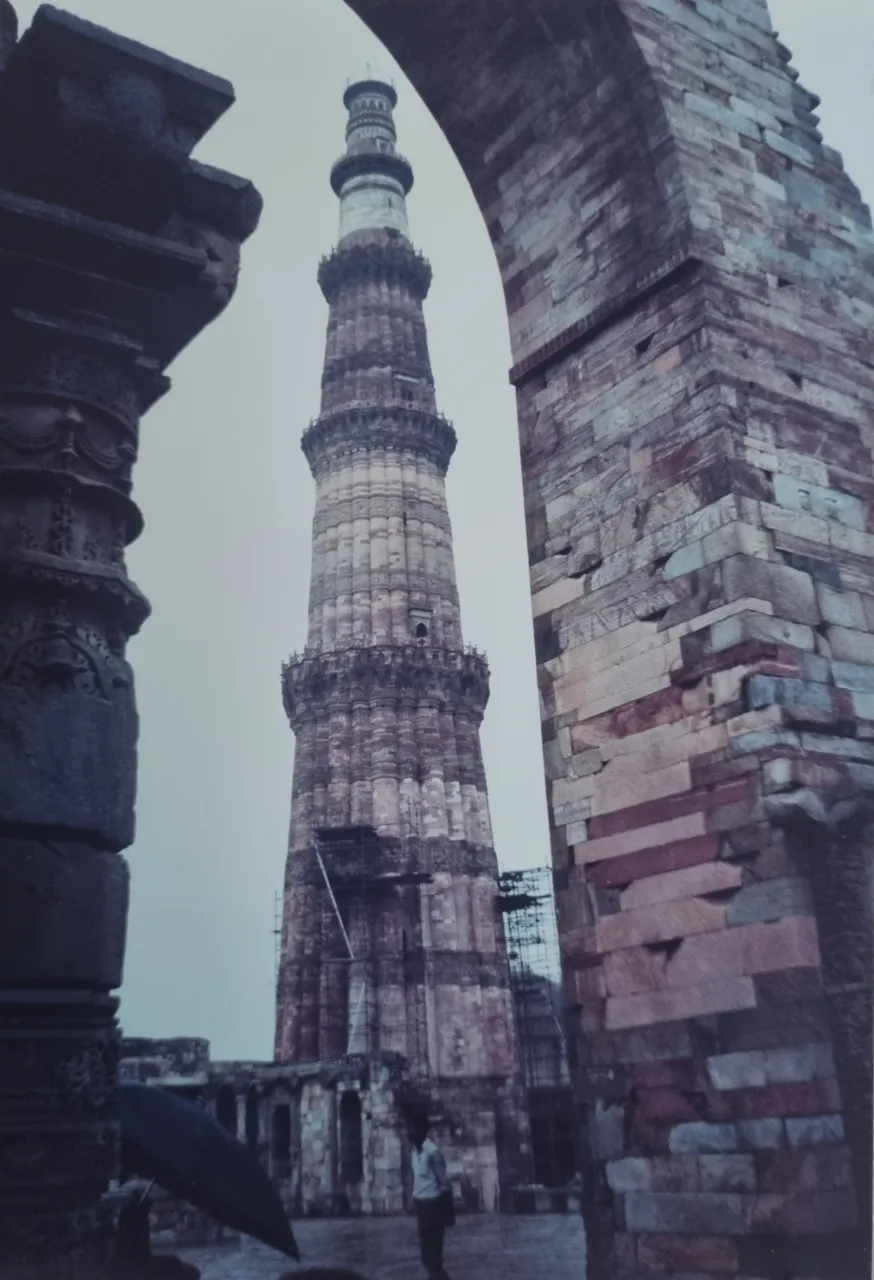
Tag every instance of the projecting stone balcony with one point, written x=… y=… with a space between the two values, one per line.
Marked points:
x=386 y=261
x=372 y=161
x=403 y=428
x=314 y=685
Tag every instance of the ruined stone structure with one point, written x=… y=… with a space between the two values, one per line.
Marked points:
x=689 y=278
x=116 y=250
x=392 y=942
x=326 y=1133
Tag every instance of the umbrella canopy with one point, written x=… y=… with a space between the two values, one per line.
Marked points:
x=192 y=1156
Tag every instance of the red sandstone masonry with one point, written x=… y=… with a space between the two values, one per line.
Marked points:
x=685 y=434
x=386 y=702
x=663 y=859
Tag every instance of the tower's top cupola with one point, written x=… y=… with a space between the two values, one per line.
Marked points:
x=371 y=179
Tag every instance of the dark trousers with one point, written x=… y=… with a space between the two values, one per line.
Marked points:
x=432 y=1228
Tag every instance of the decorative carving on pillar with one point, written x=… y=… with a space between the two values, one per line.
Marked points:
x=116 y=249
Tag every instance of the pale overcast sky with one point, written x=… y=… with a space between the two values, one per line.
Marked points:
x=227 y=494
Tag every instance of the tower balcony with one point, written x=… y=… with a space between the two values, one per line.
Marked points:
x=317 y=684
x=383 y=261
x=356 y=164
x=399 y=427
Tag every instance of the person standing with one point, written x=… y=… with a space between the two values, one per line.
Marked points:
x=432 y=1196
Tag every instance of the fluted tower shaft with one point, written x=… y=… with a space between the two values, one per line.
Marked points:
x=391 y=939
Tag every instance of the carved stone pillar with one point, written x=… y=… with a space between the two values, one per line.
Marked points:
x=116 y=249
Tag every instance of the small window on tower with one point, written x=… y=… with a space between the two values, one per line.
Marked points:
x=405 y=387
x=420 y=625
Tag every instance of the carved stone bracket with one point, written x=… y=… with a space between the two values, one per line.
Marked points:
x=384 y=676
x=358 y=430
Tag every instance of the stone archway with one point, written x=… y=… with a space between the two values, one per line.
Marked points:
x=678 y=252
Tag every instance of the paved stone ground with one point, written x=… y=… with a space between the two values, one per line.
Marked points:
x=487 y=1247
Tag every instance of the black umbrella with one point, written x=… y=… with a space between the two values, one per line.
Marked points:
x=192 y=1156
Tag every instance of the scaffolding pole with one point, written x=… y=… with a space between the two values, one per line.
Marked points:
x=527 y=903
x=329 y=887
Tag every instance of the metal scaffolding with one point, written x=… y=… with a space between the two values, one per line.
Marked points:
x=527 y=904
x=372 y=1003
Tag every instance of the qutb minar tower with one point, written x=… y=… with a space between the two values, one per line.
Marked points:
x=391 y=939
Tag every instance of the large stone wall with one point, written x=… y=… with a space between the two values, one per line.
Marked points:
x=688 y=276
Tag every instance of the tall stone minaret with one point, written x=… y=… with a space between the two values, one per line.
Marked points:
x=391 y=941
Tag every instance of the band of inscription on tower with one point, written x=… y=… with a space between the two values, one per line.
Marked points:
x=392 y=941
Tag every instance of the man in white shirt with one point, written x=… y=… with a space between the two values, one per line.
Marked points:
x=432 y=1196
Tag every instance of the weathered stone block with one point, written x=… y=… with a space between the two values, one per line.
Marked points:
x=853 y=676
x=769 y=900
x=823 y=1167
x=842 y=608
x=799 y=1063
x=805 y=1212
x=791 y=592
x=696 y=1001
x=851 y=646
x=607 y=1132
x=697 y=1213
x=727 y=1173
x=677 y=1172
x=654 y=861
x=737 y=1070
x=631 y=1174
x=757 y=626
x=746 y=949
x=810 y=1131
x=764 y=691
x=689 y=882
x=653 y=835
x=764 y=1134
x=828 y=504
x=658 y=923
x=700 y=1137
